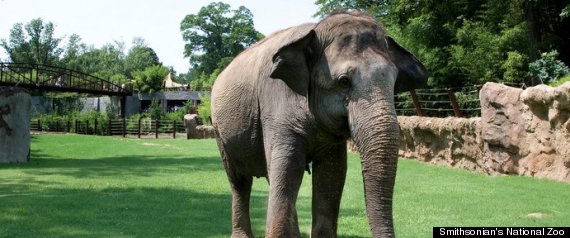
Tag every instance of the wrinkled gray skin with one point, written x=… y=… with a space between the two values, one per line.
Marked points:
x=289 y=103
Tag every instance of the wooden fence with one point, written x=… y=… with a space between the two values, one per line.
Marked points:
x=141 y=128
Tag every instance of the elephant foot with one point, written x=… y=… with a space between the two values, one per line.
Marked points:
x=241 y=234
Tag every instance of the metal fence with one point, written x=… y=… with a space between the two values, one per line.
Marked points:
x=440 y=102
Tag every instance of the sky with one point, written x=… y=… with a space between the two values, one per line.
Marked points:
x=98 y=22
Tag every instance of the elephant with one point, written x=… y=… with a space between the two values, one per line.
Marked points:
x=289 y=103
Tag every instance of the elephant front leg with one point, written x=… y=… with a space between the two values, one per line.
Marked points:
x=329 y=174
x=285 y=176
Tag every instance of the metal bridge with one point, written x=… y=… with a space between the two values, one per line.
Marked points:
x=51 y=78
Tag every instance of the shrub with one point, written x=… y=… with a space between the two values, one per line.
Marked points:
x=548 y=69
x=204 y=109
x=515 y=67
x=155 y=111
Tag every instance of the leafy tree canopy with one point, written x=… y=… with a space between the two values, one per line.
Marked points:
x=140 y=56
x=215 y=33
x=33 y=43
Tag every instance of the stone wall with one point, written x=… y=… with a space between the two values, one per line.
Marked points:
x=524 y=132
x=15 y=108
x=451 y=141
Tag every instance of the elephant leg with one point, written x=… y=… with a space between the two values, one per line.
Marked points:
x=329 y=174
x=285 y=175
x=241 y=192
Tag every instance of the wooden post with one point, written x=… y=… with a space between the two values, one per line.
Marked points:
x=109 y=131
x=139 y=128
x=124 y=127
x=174 y=129
x=156 y=129
x=57 y=125
x=68 y=129
x=454 y=104
x=416 y=103
x=39 y=125
x=123 y=106
x=95 y=127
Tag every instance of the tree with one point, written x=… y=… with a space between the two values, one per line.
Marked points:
x=104 y=62
x=33 y=43
x=375 y=8
x=140 y=56
x=150 y=79
x=216 y=33
x=73 y=51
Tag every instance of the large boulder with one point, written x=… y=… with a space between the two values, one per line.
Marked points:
x=15 y=108
x=191 y=122
x=195 y=131
x=502 y=127
x=527 y=132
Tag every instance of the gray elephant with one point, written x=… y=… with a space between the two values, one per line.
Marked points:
x=289 y=103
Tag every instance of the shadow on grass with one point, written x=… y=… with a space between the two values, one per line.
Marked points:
x=123 y=212
x=115 y=212
x=44 y=164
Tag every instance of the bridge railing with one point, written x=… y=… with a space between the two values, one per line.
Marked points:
x=37 y=76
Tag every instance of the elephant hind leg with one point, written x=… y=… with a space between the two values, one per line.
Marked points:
x=241 y=192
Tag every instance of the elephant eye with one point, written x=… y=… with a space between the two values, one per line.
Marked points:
x=344 y=80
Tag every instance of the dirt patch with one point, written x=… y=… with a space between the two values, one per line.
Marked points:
x=150 y=144
x=537 y=215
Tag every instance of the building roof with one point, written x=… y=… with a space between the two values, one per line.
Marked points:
x=168 y=83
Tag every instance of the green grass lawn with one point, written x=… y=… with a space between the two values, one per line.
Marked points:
x=89 y=186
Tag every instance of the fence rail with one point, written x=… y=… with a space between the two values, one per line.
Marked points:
x=141 y=128
x=443 y=102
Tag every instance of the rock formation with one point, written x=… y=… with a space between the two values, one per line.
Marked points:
x=15 y=107
x=195 y=131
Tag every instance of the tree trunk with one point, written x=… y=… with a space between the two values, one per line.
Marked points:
x=534 y=35
x=15 y=107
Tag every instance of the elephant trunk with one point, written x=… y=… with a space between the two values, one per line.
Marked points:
x=375 y=131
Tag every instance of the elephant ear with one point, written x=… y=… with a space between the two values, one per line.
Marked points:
x=411 y=72
x=291 y=62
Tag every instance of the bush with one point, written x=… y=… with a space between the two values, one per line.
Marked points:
x=548 y=69
x=155 y=111
x=49 y=122
x=515 y=68
x=204 y=110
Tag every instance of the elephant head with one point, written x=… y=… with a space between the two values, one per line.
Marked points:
x=349 y=70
